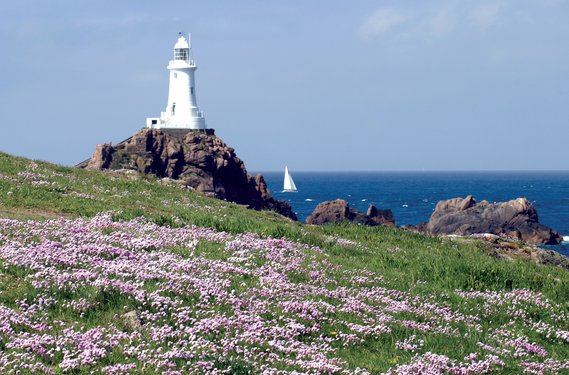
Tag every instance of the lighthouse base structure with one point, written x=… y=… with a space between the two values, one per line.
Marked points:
x=196 y=123
x=180 y=133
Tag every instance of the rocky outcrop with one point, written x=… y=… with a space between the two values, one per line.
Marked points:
x=379 y=217
x=339 y=210
x=511 y=249
x=101 y=158
x=199 y=160
x=464 y=216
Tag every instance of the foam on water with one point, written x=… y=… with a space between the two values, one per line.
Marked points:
x=566 y=239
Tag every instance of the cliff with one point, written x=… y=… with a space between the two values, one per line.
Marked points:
x=199 y=160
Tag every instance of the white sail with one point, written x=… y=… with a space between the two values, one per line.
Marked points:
x=288 y=182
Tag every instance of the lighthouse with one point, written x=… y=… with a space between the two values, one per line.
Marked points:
x=182 y=110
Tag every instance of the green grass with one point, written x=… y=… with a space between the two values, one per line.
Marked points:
x=412 y=262
x=404 y=258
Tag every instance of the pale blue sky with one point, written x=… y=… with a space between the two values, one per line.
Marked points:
x=335 y=85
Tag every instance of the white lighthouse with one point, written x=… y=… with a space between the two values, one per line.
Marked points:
x=182 y=111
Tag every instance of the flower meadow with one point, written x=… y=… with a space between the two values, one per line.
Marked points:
x=96 y=295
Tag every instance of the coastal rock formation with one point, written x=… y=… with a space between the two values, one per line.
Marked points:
x=513 y=249
x=339 y=210
x=464 y=216
x=198 y=159
x=101 y=158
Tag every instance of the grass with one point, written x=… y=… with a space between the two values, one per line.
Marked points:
x=408 y=262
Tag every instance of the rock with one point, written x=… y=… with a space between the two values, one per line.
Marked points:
x=329 y=212
x=201 y=160
x=456 y=204
x=381 y=217
x=102 y=157
x=339 y=210
x=132 y=321
x=261 y=187
x=463 y=216
x=511 y=249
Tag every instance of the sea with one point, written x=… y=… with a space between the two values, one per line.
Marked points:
x=412 y=196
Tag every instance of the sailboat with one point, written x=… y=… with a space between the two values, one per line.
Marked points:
x=288 y=186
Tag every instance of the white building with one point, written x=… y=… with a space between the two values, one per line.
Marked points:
x=182 y=110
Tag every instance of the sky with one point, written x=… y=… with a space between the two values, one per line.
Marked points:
x=319 y=86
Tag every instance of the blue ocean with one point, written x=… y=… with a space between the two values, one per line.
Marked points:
x=412 y=196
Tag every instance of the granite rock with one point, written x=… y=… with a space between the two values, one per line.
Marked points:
x=464 y=216
x=339 y=210
x=200 y=160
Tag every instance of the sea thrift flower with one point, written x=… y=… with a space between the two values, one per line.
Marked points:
x=254 y=304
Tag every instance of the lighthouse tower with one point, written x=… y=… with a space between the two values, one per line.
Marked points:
x=182 y=110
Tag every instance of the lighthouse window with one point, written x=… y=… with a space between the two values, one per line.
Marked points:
x=175 y=75
x=173 y=109
x=180 y=54
x=192 y=90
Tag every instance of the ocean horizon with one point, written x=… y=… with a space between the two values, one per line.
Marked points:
x=412 y=195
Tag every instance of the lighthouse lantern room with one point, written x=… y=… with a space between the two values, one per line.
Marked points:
x=182 y=111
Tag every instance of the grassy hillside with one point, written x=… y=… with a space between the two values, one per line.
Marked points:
x=121 y=274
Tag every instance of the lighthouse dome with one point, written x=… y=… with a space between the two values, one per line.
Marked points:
x=181 y=43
